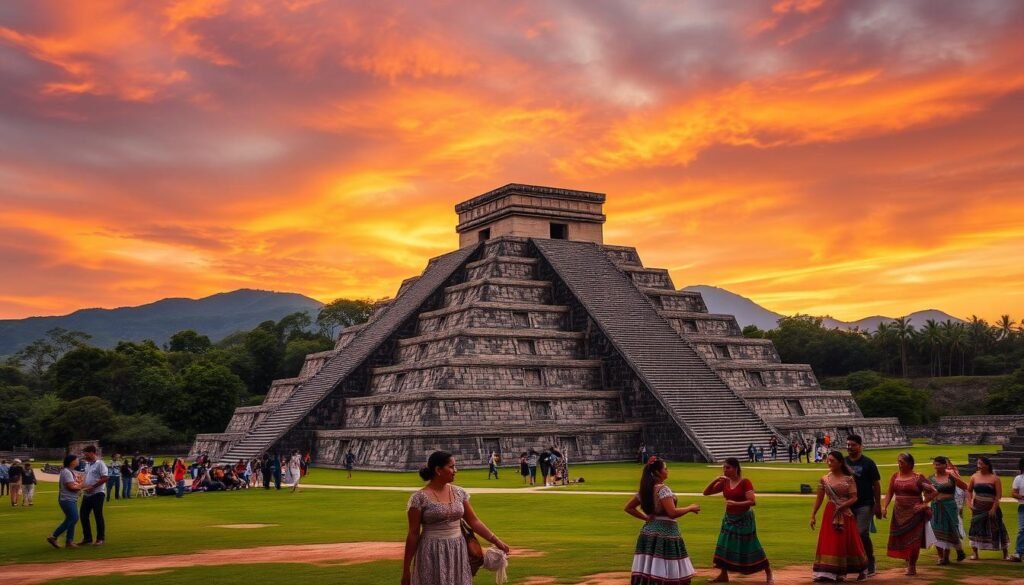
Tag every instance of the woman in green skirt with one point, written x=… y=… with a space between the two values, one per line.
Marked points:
x=945 y=520
x=660 y=557
x=738 y=549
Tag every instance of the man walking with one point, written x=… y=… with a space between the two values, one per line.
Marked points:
x=774 y=444
x=95 y=490
x=492 y=465
x=869 y=494
x=114 y=471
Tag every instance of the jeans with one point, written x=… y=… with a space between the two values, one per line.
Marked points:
x=27 y=493
x=126 y=486
x=114 y=487
x=93 y=504
x=863 y=515
x=1020 y=531
x=70 y=509
x=179 y=488
x=492 y=469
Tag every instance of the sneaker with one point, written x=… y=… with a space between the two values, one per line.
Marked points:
x=53 y=541
x=960 y=556
x=98 y=543
x=70 y=545
x=870 y=572
x=84 y=542
x=1013 y=558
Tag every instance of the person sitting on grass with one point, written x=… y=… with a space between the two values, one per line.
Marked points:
x=165 y=483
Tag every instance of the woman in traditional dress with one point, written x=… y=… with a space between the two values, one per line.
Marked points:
x=660 y=557
x=840 y=550
x=738 y=549
x=945 y=518
x=435 y=537
x=988 y=532
x=910 y=512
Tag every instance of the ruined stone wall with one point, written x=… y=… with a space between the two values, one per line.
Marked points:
x=990 y=429
x=762 y=352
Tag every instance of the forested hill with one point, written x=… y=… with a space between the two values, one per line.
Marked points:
x=215 y=316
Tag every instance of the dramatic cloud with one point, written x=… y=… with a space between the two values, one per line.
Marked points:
x=848 y=158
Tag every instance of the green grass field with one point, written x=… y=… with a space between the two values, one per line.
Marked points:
x=579 y=534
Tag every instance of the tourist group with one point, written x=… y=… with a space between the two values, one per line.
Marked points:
x=441 y=546
x=92 y=480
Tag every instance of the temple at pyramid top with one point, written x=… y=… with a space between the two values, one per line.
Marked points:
x=531 y=211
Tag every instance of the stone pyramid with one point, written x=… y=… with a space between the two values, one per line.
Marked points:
x=534 y=333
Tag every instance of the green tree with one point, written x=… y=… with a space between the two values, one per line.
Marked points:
x=931 y=336
x=140 y=432
x=266 y=351
x=862 y=380
x=895 y=398
x=904 y=333
x=15 y=409
x=39 y=424
x=342 y=313
x=90 y=417
x=81 y=372
x=189 y=341
x=1004 y=328
x=209 y=395
x=295 y=354
x=1007 y=397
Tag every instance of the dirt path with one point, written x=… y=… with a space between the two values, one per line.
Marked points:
x=314 y=554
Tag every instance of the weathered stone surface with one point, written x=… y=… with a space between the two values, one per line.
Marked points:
x=503 y=356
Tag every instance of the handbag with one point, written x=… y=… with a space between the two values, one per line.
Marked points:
x=476 y=552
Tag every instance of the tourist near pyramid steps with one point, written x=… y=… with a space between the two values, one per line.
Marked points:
x=535 y=333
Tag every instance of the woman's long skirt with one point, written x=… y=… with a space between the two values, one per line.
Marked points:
x=945 y=524
x=907 y=529
x=660 y=557
x=442 y=559
x=988 y=531
x=840 y=552
x=738 y=549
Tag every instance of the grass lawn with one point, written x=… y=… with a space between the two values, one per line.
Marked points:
x=580 y=535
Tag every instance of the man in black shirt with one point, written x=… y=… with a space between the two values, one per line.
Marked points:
x=869 y=494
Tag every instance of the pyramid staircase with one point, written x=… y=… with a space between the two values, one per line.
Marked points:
x=312 y=391
x=693 y=394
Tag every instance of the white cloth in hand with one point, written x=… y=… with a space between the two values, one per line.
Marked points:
x=496 y=560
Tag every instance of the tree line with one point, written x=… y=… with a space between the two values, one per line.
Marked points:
x=875 y=365
x=138 y=395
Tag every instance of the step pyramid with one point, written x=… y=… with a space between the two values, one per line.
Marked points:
x=534 y=333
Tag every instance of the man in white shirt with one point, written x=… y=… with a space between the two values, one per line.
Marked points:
x=95 y=490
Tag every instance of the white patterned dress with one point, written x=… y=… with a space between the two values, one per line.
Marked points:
x=441 y=558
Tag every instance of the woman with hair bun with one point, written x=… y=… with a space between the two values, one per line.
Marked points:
x=660 y=556
x=910 y=513
x=738 y=548
x=435 y=537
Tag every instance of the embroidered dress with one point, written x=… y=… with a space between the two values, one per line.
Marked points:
x=660 y=557
x=441 y=557
x=945 y=519
x=840 y=550
x=988 y=532
x=738 y=548
x=907 y=528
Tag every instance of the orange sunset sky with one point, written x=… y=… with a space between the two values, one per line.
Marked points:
x=824 y=157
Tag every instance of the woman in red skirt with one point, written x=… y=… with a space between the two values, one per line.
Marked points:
x=911 y=513
x=840 y=550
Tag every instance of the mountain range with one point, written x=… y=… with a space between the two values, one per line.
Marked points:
x=215 y=316
x=748 y=312
x=220 y=315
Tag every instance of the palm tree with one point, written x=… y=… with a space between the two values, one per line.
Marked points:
x=904 y=333
x=931 y=335
x=955 y=335
x=1004 y=327
x=980 y=336
x=881 y=338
